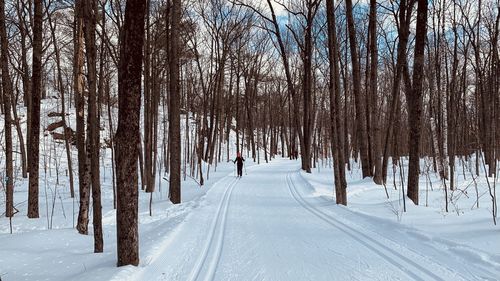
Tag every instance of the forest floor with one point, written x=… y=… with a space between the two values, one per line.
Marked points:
x=275 y=223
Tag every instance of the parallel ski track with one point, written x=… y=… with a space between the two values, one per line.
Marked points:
x=390 y=255
x=215 y=241
x=480 y=268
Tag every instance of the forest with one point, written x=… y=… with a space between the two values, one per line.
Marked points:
x=117 y=98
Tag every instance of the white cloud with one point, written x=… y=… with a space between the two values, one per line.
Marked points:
x=278 y=9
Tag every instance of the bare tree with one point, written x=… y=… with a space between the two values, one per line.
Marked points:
x=334 y=89
x=174 y=113
x=414 y=101
x=127 y=134
x=373 y=96
x=93 y=125
x=60 y=86
x=36 y=92
x=403 y=17
x=362 y=135
x=7 y=104
x=78 y=88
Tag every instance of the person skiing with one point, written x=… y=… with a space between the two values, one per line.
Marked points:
x=239 y=164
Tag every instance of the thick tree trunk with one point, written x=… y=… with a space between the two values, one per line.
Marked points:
x=35 y=110
x=90 y=11
x=148 y=109
x=7 y=96
x=307 y=93
x=334 y=90
x=127 y=134
x=414 y=101
x=175 y=97
x=78 y=86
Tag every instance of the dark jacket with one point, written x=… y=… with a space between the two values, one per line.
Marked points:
x=239 y=160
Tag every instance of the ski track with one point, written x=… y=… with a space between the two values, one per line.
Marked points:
x=437 y=244
x=219 y=226
x=390 y=255
x=155 y=259
x=416 y=265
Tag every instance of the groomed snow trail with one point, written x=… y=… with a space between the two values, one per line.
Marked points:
x=267 y=226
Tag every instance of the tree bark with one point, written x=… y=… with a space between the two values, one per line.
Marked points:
x=175 y=130
x=36 y=92
x=405 y=11
x=334 y=90
x=90 y=11
x=414 y=101
x=7 y=96
x=127 y=134
x=25 y=78
x=78 y=86
x=374 y=106
x=362 y=135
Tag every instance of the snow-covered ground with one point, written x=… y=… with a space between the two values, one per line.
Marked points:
x=275 y=223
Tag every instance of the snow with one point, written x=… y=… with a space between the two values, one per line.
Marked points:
x=275 y=223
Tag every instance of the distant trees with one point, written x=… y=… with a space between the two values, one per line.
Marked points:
x=306 y=47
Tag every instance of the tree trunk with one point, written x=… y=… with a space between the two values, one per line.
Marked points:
x=375 y=120
x=307 y=93
x=175 y=123
x=25 y=78
x=60 y=85
x=362 y=136
x=78 y=86
x=127 y=134
x=405 y=12
x=90 y=11
x=334 y=90
x=148 y=109
x=414 y=101
x=35 y=111
x=7 y=96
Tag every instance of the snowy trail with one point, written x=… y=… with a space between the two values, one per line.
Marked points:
x=474 y=264
x=425 y=270
x=266 y=227
x=383 y=251
x=218 y=225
